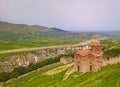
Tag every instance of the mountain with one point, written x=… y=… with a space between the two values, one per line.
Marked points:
x=59 y=30
x=15 y=31
x=15 y=36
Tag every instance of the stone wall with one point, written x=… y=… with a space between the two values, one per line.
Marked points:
x=50 y=65
x=66 y=60
x=111 y=61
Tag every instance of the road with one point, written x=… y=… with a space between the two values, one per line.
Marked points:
x=35 y=48
x=46 y=47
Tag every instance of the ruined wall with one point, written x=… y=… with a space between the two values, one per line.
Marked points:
x=111 y=61
x=47 y=66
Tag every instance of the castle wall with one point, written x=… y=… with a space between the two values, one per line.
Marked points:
x=111 y=61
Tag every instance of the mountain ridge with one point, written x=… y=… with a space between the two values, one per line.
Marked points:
x=20 y=26
x=17 y=36
x=29 y=31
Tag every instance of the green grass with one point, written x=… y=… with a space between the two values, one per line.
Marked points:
x=108 y=76
x=15 y=36
x=38 y=42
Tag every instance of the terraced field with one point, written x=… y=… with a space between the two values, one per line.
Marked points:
x=108 y=76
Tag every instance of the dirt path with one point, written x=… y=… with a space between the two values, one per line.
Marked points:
x=58 y=69
x=68 y=73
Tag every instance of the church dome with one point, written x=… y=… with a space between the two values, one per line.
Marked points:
x=96 y=43
x=83 y=52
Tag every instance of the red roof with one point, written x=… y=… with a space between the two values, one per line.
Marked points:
x=96 y=43
x=94 y=54
x=100 y=60
x=83 y=52
x=86 y=52
x=97 y=55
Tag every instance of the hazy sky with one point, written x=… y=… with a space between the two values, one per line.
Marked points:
x=80 y=15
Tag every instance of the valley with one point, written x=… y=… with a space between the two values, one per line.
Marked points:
x=17 y=36
x=38 y=51
x=59 y=43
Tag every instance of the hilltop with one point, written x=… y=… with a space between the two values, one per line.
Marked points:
x=15 y=36
x=22 y=31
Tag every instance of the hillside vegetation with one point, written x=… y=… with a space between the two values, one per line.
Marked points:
x=26 y=31
x=111 y=50
x=108 y=76
x=14 y=36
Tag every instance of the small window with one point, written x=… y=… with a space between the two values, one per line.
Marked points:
x=78 y=68
x=91 y=68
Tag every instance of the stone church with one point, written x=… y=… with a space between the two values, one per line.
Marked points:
x=89 y=60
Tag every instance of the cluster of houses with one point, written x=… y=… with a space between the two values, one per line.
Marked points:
x=84 y=59
x=27 y=58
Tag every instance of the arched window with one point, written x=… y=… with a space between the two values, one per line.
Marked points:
x=78 y=68
x=91 y=68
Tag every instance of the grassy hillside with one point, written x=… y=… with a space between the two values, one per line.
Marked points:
x=108 y=76
x=14 y=36
x=21 y=31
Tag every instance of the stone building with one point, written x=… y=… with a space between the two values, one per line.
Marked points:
x=23 y=63
x=66 y=60
x=89 y=59
x=6 y=67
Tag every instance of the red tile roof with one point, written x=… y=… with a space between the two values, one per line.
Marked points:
x=100 y=60
x=96 y=43
x=94 y=54
x=83 y=52
x=86 y=52
x=97 y=55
